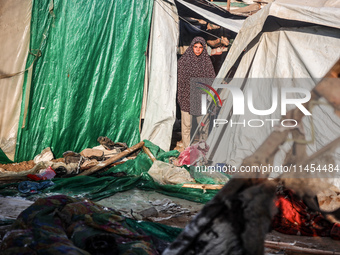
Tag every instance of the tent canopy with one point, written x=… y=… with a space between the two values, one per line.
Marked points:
x=286 y=41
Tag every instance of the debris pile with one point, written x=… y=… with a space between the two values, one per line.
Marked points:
x=45 y=166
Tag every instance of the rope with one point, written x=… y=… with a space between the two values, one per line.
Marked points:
x=37 y=54
x=186 y=21
x=211 y=4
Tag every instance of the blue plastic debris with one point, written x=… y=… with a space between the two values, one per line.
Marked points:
x=28 y=187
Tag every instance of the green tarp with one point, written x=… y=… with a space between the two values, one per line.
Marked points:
x=162 y=231
x=102 y=185
x=3 y=158
x=88 y=81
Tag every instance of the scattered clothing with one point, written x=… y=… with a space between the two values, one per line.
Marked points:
x=28 y=187
x=193 y=154
x=44 y=174
x=165 y=173
x=65 y=225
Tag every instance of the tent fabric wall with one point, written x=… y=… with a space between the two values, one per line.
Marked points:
x=295 y=52
x=15 y=18
x=89 y=79
x=319 y=12
x=161 y=103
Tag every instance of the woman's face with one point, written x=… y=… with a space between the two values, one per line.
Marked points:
x=198 y=49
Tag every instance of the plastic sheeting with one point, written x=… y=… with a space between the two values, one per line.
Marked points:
x=107 y=183
x=15 y=18
x=89 y=79
x=295 y=52
x=161 y=103
x=320 y=12
x=165 y=173
x=38 y=230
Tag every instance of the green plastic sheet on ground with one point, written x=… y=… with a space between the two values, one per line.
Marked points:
x=88 y=78
x=64 y=225
x=159 y=230
x=142 y=163
x=162 y=231
x=105 y=184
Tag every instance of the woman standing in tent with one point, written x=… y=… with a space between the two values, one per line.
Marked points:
x=194 y=63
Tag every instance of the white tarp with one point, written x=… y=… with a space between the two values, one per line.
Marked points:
x=161 y=103
x=320 y=12
x=295 y=52
x=15 y=19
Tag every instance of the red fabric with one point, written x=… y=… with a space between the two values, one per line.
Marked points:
x=34 y=177
x=45 y=174
x=192 y=153
x=294 y=218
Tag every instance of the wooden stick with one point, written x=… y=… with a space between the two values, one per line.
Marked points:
x=13 y=178
x=113 y=159
x=228 y=5
x=117 y=163
x=202 y=186
x=148 y=152
x=291 y=247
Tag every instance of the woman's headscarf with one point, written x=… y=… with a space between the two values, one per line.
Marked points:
x=192 y=66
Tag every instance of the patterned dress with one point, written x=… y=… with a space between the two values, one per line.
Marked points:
x=192 y=68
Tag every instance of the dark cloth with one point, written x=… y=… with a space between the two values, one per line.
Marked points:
x=188 y=32
x=192 y=67
x=219 y=32
x=65 y=225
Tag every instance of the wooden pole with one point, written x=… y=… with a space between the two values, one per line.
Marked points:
x=228 y=5
x=291 y=247
x=148 y=152
x=202 y=186
x=113 y=159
